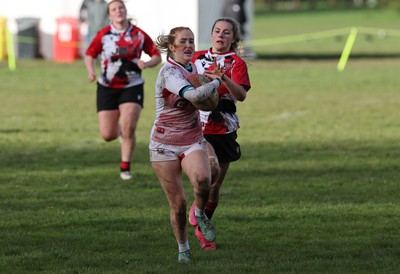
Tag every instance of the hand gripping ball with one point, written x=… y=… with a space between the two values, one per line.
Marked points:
x=211 y=102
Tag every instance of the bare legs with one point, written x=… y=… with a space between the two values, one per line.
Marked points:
x=169 y=173
x=218 y=171
x=121 y=122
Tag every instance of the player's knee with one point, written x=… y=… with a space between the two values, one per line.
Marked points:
x=108 y=137
x=203 y=185
x=128 y=133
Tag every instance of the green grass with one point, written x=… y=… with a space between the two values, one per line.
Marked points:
x=270 y=25
x=316 y=190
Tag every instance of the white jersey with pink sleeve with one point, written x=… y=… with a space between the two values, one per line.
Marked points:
x=177 y=121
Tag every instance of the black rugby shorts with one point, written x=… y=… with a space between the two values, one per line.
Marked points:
x=111 y=98
x=225 y=146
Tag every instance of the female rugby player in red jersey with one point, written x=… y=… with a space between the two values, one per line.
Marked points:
x=120 y=83
x=220 y=126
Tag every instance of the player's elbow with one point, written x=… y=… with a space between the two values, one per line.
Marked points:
x=241 y=97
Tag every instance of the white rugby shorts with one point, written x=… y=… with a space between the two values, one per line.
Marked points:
x=163 y=152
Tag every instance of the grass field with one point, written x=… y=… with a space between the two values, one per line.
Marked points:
x=378 y=33
x=316 y=190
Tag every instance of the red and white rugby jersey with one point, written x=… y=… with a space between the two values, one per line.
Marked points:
x=177 y=121
x=235 y=68
x=120 y=52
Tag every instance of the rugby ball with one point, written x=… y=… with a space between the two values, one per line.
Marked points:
x=197 y=80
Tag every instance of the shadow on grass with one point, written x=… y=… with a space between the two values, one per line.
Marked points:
x=341 y=172
x=261 y=159
x=77 y=156
x=317 y=168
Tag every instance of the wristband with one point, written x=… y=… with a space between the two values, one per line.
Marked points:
x=219 y=80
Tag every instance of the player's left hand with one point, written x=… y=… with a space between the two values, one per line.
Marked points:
x=216 y=72
x=141 y=64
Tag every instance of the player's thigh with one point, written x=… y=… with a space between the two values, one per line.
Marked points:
x=210 y=150
x=169 y=174
x=130 y=113
x=108 y=123
x=197 y=167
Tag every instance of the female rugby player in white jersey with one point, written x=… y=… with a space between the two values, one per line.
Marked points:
x=177 y=144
